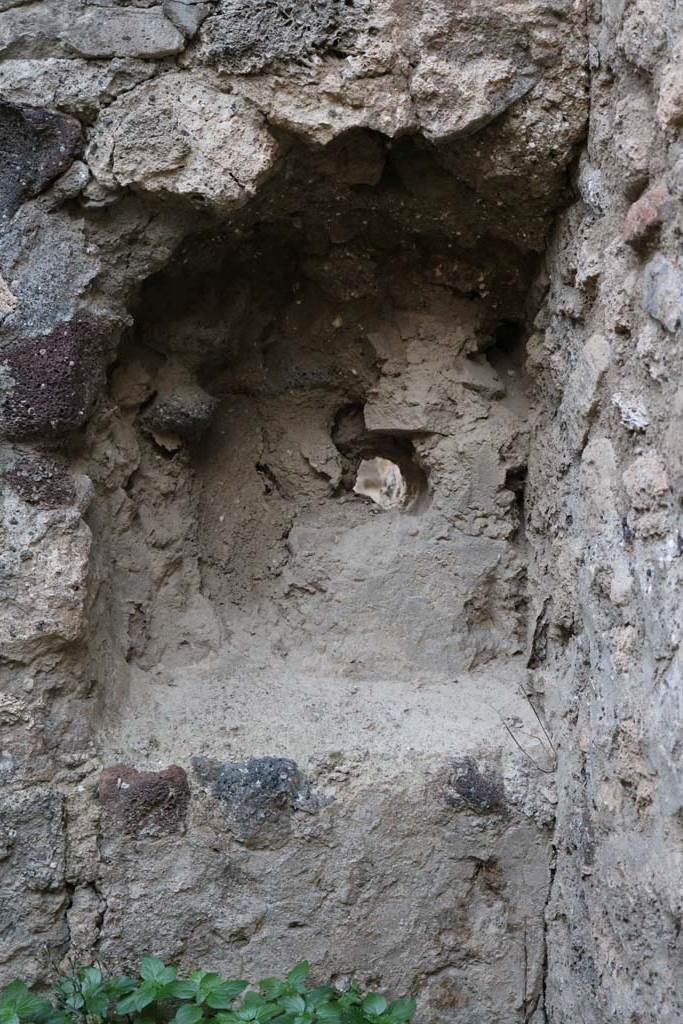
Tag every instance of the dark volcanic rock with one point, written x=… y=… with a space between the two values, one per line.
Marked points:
x=249 y=36
x=481 y=790
x=185 y=412
x=36 y=146
x=50 y=382
x=258 y=796
x=40 y=481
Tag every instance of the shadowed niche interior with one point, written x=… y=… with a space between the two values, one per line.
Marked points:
x=342 y=348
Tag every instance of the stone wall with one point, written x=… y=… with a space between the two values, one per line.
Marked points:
x=604 y=503
x=247 y=715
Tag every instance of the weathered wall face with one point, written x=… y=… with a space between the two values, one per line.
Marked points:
x=604 y=495
x=247 y=715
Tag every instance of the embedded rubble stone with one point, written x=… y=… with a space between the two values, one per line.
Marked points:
x=155 y=139
x=186 y=15
x=663 y=292
x=142 y=32
x=36 y=146
x=40 y=480
x=144 y=804
x=70 y=28
x=44 y=573
x=258 y=797
x=32 y=861
x=49 y=382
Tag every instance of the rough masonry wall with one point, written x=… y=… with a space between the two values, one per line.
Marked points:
x=247 y=716
x=604 y=500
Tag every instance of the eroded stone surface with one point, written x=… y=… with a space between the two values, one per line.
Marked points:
x=604 y=528
x=44 y=575
x=32 y=859
x=182 y=135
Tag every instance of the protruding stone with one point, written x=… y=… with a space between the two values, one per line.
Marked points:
x=581 y=394
x=186 y=15
x=43 y=570
x=155 y=139
x=663 y=292
x=476 y=788
x=32 y=865
x=185 y=411
x=124 y=32
x=670 y=104
x=8 y=301
x=248 y=37
x=144 y=804
x=456 y=98
x=647 y=487
x=40 y=480
x=632 y=411
x=646 y=215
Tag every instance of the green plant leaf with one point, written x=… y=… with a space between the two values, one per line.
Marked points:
x=248 y=1013
x=17 y=1001
x=151 y=968
x=58 y=1017
x=182 y=989
x=118 y=987
x=210 y=981
x=402 y=1010
x=190 y=1013
x=272 y=987
x=253 y=1000
x=267 y=1012
x=299 y=973
x=293 y=1004
x=318 y=996
x=374 y=1004
x=127 y=1005
x=90 y=978
x=13 y=992
x=97 y=1003
x=207 y=984
x=350 y=998
x=222 y=996
x=139 y=998
x=329 y=1013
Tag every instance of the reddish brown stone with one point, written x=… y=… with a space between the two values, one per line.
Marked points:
x=646 y=216
x=54 y=380
x=40 y=481
x=143 y=804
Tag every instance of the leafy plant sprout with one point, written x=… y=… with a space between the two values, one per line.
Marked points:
x=158 y=996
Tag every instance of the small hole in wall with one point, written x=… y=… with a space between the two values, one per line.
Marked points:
x=378 y=464
x=382 y=481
